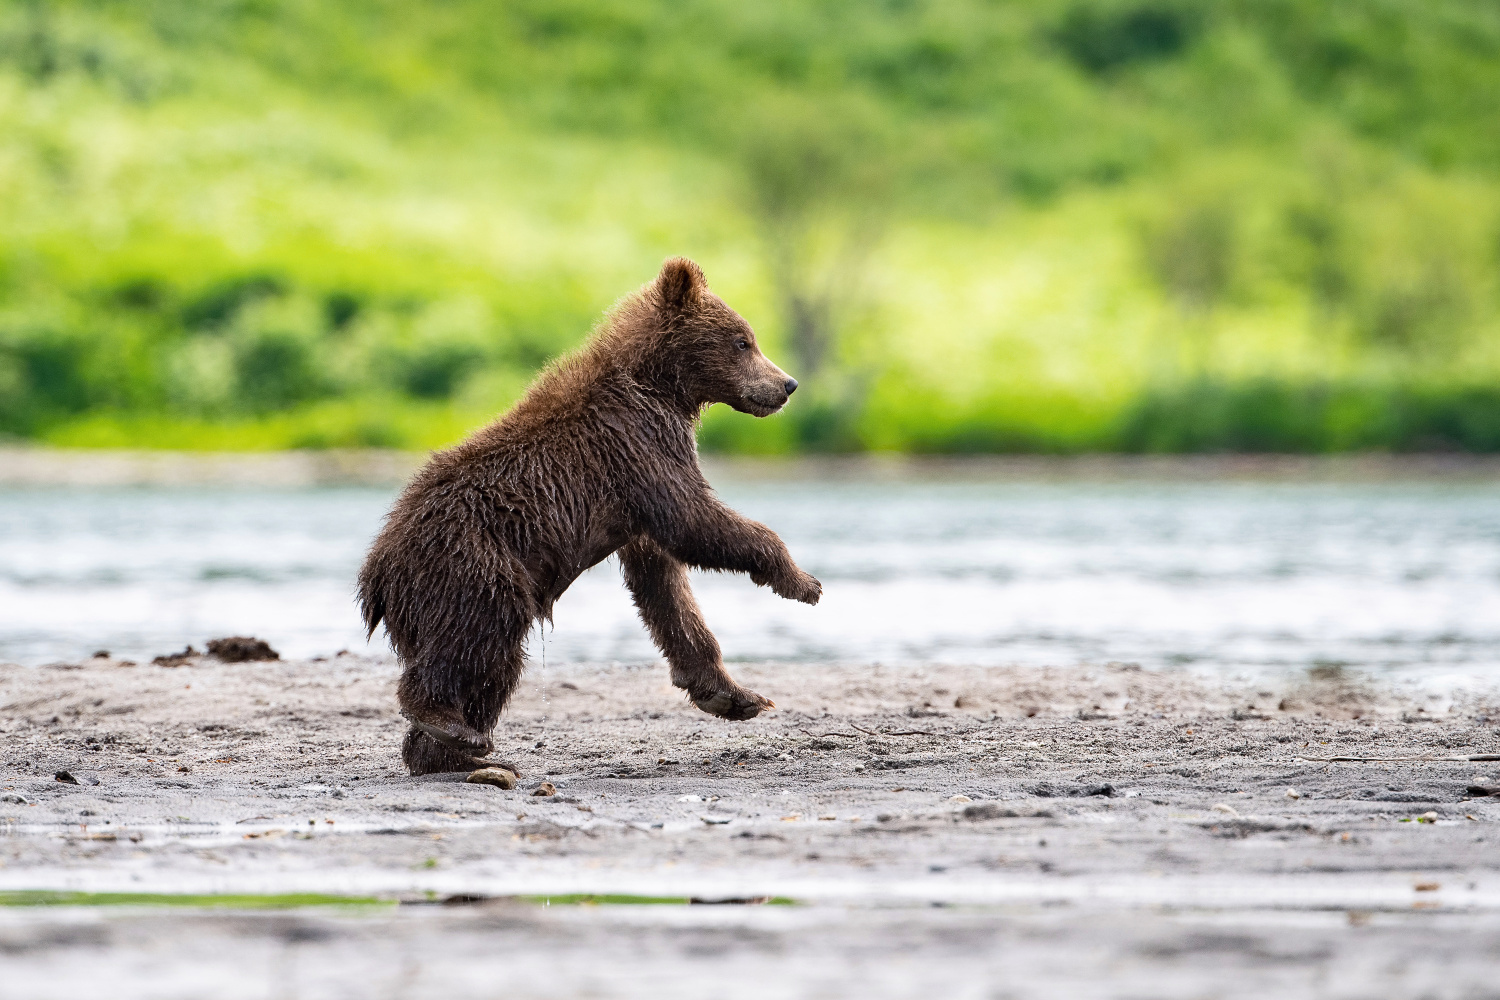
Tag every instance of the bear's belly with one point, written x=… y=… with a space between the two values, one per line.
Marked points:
x=589 y=554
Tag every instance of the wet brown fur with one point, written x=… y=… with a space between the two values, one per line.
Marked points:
x=599 y=458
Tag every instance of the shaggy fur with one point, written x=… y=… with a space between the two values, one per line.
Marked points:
x=599 y=458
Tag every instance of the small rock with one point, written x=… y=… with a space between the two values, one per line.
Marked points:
x=959 y=798
x=1483 y=791
x=1227 y=809
x=497 y=776
x=15 y=799
x=101 y=654
x=546 y=789
x=241 y=649
x=1292 y=793
x=65 y=778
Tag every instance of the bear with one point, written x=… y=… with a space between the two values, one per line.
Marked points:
x=598 y=458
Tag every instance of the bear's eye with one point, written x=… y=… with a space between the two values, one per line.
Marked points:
x=742 y=344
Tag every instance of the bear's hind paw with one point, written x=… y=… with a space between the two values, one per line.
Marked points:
x=453 y=736
x=735 y=705
x=482 y=762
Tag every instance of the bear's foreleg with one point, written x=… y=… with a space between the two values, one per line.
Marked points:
x=659 y=585
x=700 y=531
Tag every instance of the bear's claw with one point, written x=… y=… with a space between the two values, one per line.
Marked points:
x=481 y=762
x=736 y=705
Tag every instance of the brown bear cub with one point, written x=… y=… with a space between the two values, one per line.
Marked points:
x=599 y=458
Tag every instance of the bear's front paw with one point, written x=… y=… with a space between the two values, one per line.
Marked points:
x=800 y=586
x=737 y=704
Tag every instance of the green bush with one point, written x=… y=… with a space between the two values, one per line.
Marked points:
x=1269 y=416
x=1046 y=225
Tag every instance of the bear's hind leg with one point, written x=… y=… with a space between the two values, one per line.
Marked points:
x=440 y=738
x=483 y=704
x=423 y=755
x=452 y=712
x=659 y=585
x=442 y=724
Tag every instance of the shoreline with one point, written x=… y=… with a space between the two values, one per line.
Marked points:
x=26 y=467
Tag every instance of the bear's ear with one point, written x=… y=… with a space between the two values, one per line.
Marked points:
x=680 y=283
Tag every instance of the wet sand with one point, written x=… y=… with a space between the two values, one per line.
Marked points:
x=1101 y=832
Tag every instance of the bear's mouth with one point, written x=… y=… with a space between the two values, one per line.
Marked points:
x=759 y=407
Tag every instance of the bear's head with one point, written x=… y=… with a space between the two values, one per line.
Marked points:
x=714 y=357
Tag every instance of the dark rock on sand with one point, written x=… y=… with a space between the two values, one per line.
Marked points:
x=241 y=649
x=176 y=659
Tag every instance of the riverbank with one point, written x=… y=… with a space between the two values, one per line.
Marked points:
x=1082 y=821
x=22 y=467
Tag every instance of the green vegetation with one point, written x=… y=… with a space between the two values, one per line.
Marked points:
x=973 y=225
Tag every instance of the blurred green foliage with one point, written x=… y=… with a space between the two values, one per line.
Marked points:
x=966 y=226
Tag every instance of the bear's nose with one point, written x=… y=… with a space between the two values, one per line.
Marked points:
x=791 y=386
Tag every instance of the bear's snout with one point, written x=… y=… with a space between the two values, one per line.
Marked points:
x=767 y=390
x=769 y=397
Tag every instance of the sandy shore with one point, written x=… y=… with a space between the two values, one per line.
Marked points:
x=1105 y=832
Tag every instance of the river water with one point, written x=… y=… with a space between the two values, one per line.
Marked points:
x=1241 y=577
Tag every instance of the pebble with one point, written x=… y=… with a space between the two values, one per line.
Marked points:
x=1226 y=808
x=545 y=789
x=959 y=798
x=1292 y=793
x=497 y=776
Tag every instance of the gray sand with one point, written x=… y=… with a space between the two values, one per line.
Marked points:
x=985 y=833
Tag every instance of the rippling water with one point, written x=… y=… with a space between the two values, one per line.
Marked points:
x=1399 y=577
